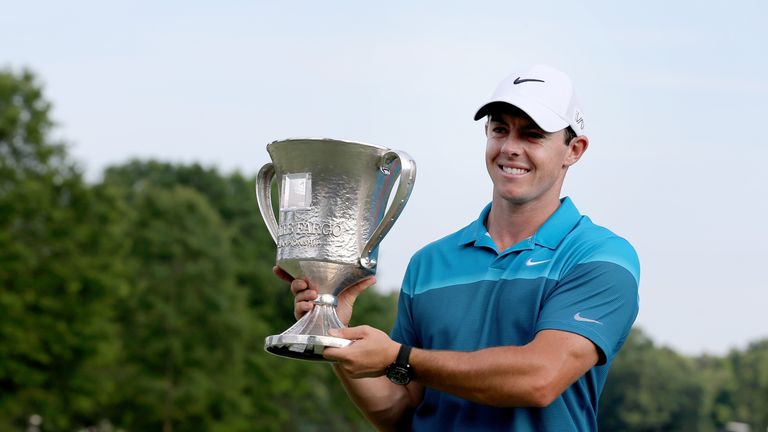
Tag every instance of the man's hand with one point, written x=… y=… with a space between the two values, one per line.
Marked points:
x=304 y=295
x=369 y=354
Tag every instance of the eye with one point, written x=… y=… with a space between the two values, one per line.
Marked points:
x=534 y=135
x=499 y=129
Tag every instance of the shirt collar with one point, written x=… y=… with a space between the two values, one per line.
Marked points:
x=549 y=235
x=476 y=232
x=557 y=226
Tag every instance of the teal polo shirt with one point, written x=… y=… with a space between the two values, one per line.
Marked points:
x=459 y=293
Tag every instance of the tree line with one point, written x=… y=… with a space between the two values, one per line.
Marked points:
x=140 y=302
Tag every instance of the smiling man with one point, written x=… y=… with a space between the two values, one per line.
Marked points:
x=511 y=323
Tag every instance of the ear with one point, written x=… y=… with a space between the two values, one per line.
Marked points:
x=576 y=149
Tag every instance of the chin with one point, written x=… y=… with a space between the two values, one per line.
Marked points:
x=513 y=198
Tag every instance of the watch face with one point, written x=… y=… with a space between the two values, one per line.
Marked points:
x=398 y=375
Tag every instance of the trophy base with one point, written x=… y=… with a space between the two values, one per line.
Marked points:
x=307 y=339
x=303 y=347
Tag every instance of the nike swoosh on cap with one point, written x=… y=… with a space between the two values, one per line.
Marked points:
x=519 y=81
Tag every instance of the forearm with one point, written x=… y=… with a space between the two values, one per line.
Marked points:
x=386 y=405
x=530 y=375
x=493 y=376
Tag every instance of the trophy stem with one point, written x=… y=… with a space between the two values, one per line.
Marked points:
x=307 y=339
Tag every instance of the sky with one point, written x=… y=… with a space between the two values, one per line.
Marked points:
x=673 y=92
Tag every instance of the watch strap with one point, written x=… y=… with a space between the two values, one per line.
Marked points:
x=403 y=355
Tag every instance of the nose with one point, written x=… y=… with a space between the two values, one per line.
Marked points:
x=511 y=146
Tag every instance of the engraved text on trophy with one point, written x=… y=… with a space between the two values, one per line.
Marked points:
x=308 y=233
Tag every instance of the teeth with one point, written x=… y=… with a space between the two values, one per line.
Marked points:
x=510 y=170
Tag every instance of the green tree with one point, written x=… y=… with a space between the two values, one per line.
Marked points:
x=651 y=389
x=233 y=197
x=744 y=396
x=282 y=394
x=182 y=323
x=57 y=276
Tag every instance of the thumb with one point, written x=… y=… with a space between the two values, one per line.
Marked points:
x=351 y=333
x=350 y=294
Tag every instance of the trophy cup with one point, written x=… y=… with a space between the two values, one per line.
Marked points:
x=333 y=214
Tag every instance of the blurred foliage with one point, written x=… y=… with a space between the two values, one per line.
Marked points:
x=651 y=389
x=141 y=303
x=58 y=277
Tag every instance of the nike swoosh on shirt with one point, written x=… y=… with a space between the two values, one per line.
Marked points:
x=578 y=317
x=531 y=262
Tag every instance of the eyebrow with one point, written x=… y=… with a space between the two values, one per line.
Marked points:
x=528 y=124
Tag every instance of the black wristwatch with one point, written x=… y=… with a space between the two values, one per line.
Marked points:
x=400 y=372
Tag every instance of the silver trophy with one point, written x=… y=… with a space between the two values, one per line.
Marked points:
x=333 y=199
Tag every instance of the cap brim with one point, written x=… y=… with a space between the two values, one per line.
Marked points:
x=543 y=116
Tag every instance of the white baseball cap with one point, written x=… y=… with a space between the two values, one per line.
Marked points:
x=545 y=94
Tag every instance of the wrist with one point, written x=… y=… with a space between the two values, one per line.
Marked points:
x=399 y=372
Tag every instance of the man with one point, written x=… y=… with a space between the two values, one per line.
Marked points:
x=512 y=322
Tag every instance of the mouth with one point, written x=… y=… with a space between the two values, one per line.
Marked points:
x=514 y=171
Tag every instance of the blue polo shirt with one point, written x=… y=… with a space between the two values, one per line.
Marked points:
x=461 y=294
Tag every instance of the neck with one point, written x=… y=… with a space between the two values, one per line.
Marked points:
x=510 y=223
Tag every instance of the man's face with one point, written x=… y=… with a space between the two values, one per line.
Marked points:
x=526 y=164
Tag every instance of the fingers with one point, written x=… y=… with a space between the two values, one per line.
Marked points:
x=304 y=295
x=300 y=309
x=298 y=285
x=367 y=356
x=282 y=274
x=351 y=333
x=303 y=298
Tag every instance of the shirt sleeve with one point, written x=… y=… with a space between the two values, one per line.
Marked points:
x=597 y=298
x=404 y=330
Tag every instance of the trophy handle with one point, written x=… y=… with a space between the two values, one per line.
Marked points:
x=264 y=197
x=389 y=163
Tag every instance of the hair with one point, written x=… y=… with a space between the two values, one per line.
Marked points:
x=569 y=135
